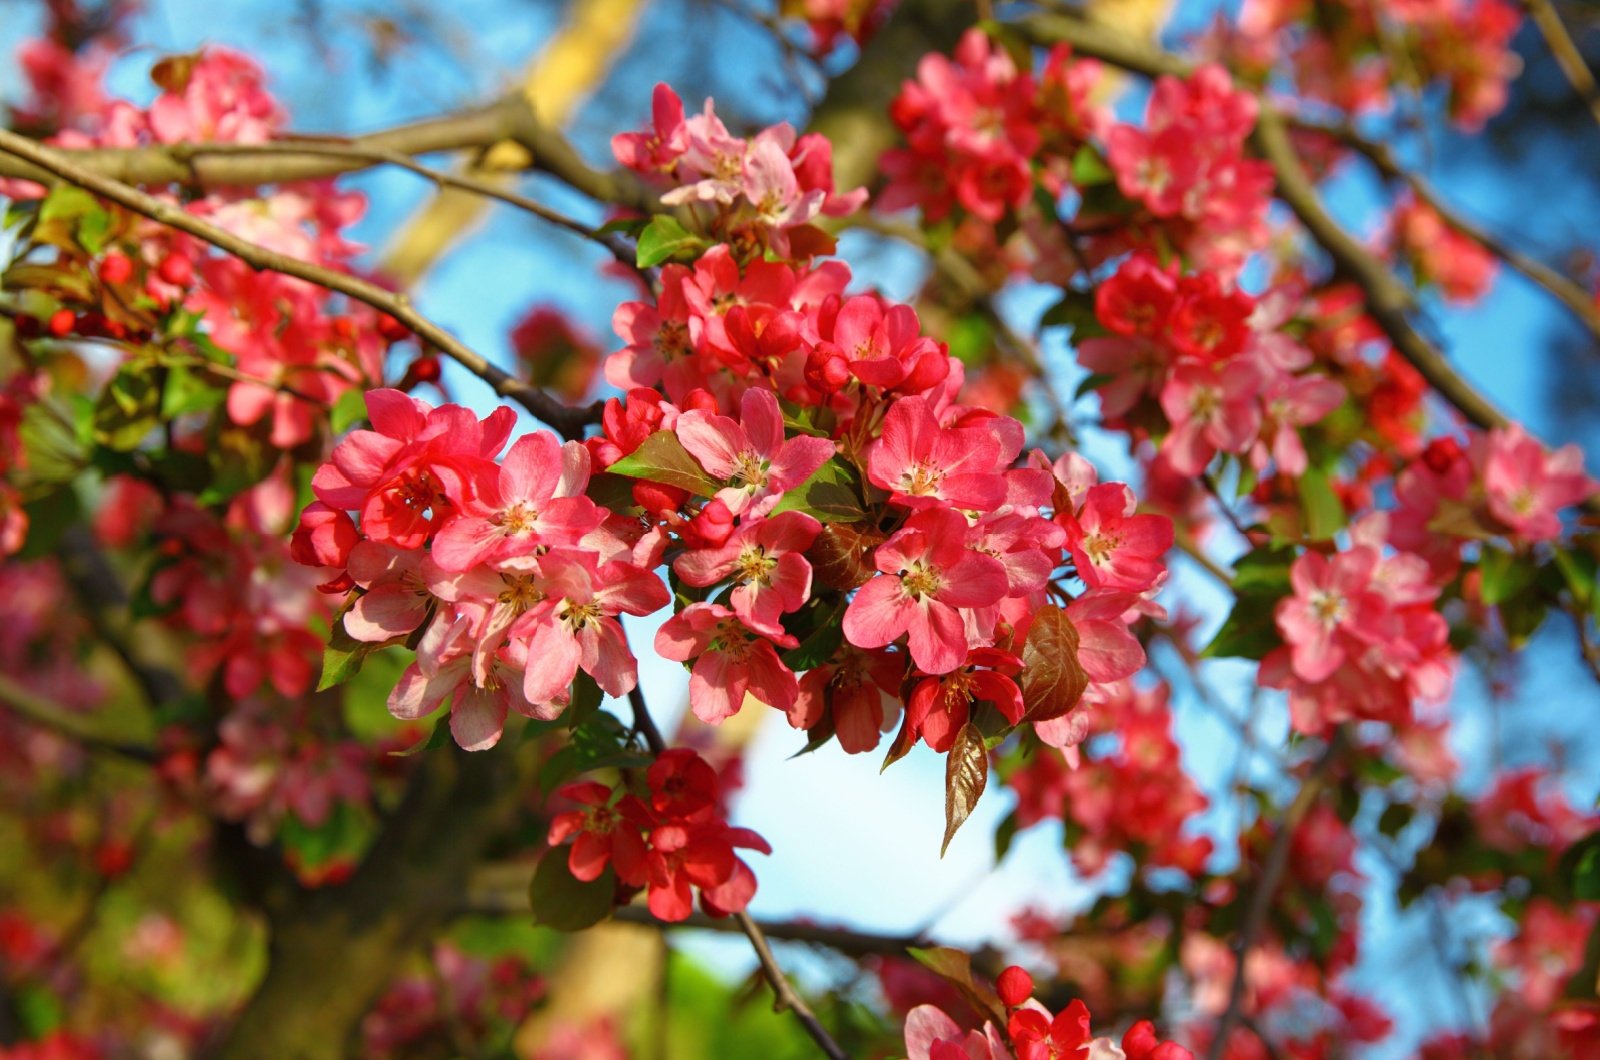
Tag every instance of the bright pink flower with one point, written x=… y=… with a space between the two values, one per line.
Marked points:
x=932 y=1035
x=478 y=707
x=853 y=688
x=925 y=465
x=660 y=342
x=1039 y=1037
x=729 y=664
x=940 y=706
x=575 y=625
x=765 y=559
x=397 y=599
x=657 y=150
x=222 y=98
x=1527 y=485
x=1111 y=546
x=534 y=499
x=700 y=855
x=929 y=576
x=1331 y=611
x=1293 y=402
x=1211 y=409
x=884 y=346
x=751 y=455
x=395 y=475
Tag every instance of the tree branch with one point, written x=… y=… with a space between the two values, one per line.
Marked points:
x=280 y=162
x=1565 y=52
x=1565 y=290
x=568 y=421
x=39 y=711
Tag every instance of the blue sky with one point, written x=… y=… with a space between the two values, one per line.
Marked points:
x=852 y=846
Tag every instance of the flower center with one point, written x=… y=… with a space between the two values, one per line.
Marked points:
x=577 y=615
x=921 y=481
x=920 y=582
x=520 y=592
x=1329 y=609
x=749 y=470
x=754 y=565
x=518 y=519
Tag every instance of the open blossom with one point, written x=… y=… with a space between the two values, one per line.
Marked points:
x=729 y=663
x=534 y=498
x=1527 y=485
x=925 y=465
x=606 y=831
x=575 y=625
x=859 y=691
x=1361 y=637
x=1210 y=409
x=927 y=578
x=765 y=559
x=1111 y=546
x=479 y=701
x=939 y=706
x=751 y=454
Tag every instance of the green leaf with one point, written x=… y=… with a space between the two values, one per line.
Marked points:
x=342 y=659
x=1075 y=310
x=1093 y=381
x=129 y=408
x=623 y=226
x=1504 y=574
x=1249 y=632
x=562 y=902
x=432 y=742
x=818 y=646
x=1004 y=835
x=585 y=701
x=1264 y=570
x=832 y=494
x=1089 y=169
x=187 y=392
x=1581 y=865
x=1052 y=679
x=600 y=742
x=1324 y=512
x=665 y=238
x=816 y=421
x=48 y=518
x=349 y=410
x=662 y=458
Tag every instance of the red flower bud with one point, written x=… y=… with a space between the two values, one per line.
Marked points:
x=654 y=497
x=1015 y=986
x=176 y=269
x=62 y=321
x=116 y=268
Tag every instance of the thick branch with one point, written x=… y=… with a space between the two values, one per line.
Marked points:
x=281 y=163
x=1570 y=293
x=570 y=422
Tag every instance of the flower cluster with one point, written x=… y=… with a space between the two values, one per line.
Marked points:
x=1502 y=483
x=1032 y=1030
x=764 y=191
x=1187 y=166
x=1214 y=357
x=672 y=839
x=1361 y=636
x=1458 y=265
x=1348 y=55
x=486 y=563
x=976 y=126
x=1129 y=794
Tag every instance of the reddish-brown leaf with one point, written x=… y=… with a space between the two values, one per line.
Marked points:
x=1052 y=678
x=966 y=772
x=955 y=967
x=841 y=556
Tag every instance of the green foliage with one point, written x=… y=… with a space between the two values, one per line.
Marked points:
x=563 y=902
x=600 y=742
x=832 y=494
x=664 y=239
x=662 y=458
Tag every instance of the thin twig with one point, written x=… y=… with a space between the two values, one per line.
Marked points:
x=1261 y=898
x=786 y=997
x=404 y=161
x=1565 y=52
x=566 y=420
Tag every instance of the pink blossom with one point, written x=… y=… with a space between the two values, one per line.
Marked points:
x=729 y=665
x=1527 y=486
x=1111 y=546
x=925 y=465
x=751 y=454
x=478 y=705
x=929 y=576
x=1210 y=409
x=765 y=559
